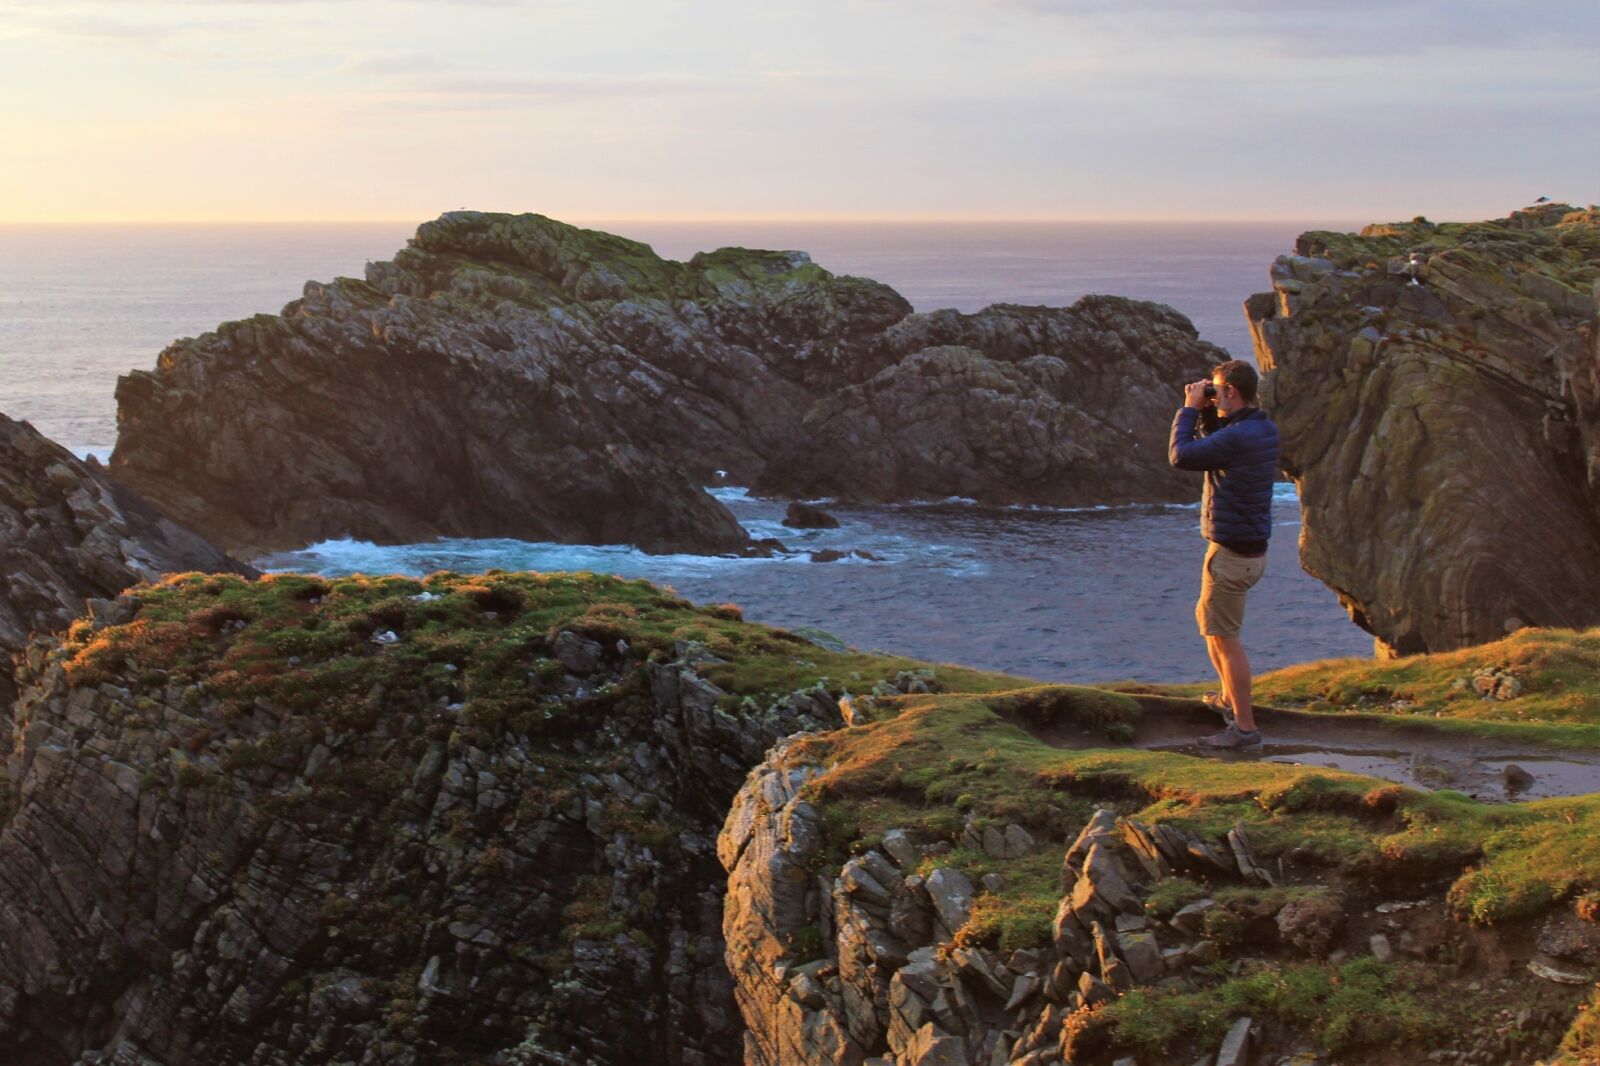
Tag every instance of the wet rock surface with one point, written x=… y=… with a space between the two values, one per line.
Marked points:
x=68 y=534
x=1416 y=753
x=1444 y=431
x=514 y=376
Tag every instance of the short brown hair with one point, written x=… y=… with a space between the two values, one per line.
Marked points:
x=1241 y=375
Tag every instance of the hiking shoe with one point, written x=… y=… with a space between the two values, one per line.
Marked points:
x=1219 y=703
x=1233 y=738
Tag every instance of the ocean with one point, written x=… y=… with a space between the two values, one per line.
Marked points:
x=1057 y=594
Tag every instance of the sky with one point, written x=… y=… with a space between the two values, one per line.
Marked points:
x=278 y=110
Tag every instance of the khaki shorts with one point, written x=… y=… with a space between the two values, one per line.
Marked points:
x=1225 y=578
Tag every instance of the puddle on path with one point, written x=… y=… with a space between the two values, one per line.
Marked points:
x=1412 y=754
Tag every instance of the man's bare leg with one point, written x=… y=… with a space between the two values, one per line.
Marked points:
x=1227 y=654
x=1216 y=664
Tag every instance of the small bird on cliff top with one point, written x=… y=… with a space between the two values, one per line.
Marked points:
x=1542 y=200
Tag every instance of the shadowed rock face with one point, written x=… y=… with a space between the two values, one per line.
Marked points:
x=1445 y=437
x=1063 y=406
x=313 y=859
x=68 y=534
x=514 y=376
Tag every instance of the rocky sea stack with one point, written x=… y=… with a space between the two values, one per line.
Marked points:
x=68 y=533
x=1442 y=421
x=514 y=376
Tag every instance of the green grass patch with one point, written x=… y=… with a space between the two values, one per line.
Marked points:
x=941 y=760
x=1557 y=673
x=1581 y=1044
x=1361 y=1003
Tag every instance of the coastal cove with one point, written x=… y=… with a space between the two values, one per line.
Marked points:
x=1008 y=589
x=501 y=807
x=1082 y=595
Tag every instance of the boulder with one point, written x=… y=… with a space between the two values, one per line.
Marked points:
x=1236 y=1045
x=802 y=515
x=1192 y=919
x=1310 y=922
x=510 y=375
x=1102 y=890
x=1444 y=437
x=1143 y=956
x=578 y=654
x=952 y=894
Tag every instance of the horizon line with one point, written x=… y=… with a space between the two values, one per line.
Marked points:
x=580 y=219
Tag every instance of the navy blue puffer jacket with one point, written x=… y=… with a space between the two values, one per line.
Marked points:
x=1240 y=458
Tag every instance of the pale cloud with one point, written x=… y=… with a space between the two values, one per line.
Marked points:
x=1317 y=29
x=428 y=83
x=168 y=39
x=56 y=5
x=396 y=64
x=566 y=88
x=973 y=108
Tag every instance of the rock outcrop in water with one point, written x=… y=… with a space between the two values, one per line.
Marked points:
x=1037 y=405
x=514 y=376
x=69 y=534
x=1445 y=436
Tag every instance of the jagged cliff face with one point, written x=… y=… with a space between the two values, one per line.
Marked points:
x=983 y=881
x=68 y=534
x=1013 y=404
x=475 y=820
x=511 y=375
x=460 y=820
x=1445 y=436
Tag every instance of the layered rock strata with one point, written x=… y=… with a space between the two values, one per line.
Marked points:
x=514 y=376
x=68 y=533
x=1061 y=406
x=869 y=965
x=1442 y=421
x=275 y=831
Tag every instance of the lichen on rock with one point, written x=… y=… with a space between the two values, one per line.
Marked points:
x=68 y=534
x=1444 y=432
x=268 y=837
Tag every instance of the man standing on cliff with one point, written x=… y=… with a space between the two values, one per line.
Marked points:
x=1227 y=436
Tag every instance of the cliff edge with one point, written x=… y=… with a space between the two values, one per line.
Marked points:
x=68 y=533
x=452 y=820
x=1438 y=391
x=987 y=879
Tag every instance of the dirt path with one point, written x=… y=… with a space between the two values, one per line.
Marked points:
x=1488 y=769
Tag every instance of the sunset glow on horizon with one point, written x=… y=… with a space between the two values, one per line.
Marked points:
x=845 y=110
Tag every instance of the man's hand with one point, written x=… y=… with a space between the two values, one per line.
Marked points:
x=1194 y=394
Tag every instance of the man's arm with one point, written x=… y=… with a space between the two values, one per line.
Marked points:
x=1189 y=451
